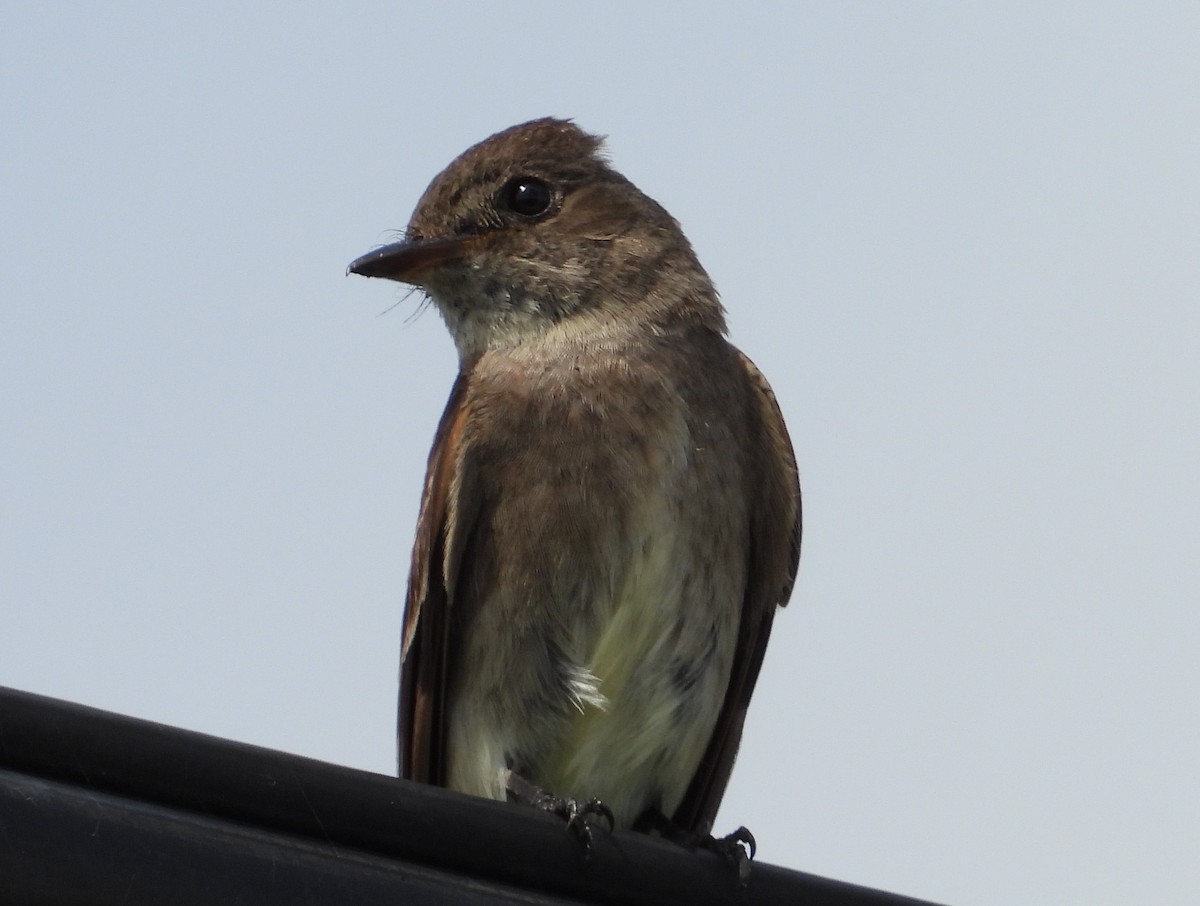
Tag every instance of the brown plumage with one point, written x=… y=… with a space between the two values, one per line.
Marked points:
x=611 y=511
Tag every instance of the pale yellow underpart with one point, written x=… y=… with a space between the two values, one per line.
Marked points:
x=629 y=743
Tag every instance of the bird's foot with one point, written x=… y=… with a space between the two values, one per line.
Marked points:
x=737 y=849
x=575 y=812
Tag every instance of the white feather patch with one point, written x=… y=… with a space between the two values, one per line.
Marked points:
x=584 y=689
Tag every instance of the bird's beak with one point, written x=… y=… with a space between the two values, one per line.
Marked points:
x=406 y=261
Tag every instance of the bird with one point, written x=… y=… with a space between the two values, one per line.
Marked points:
x=611 y=512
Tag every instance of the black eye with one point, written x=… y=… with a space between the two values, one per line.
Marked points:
x=528 y=196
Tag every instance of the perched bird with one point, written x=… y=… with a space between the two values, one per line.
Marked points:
x=611 y=512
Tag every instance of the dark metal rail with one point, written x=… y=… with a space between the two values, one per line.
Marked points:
x=97 y=808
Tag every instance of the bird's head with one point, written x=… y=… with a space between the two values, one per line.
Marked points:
x=532 y=230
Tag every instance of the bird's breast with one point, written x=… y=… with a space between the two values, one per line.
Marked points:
x=604 y=586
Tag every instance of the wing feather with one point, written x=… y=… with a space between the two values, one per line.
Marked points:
x=425 y=657
x=774 y=556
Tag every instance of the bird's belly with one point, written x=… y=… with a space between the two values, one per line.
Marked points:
x=660 y=667
x=642 y=675
x=606 y=585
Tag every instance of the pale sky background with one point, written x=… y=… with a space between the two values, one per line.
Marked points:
x=962 y=240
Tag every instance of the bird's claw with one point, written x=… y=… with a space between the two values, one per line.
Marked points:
x=738 y=848
x=573 y=811
x=577 y=813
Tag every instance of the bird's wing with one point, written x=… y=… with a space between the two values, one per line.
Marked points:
x=446 y=514
x=774 y=555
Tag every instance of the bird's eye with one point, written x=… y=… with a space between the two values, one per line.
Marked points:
x=528 y=196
